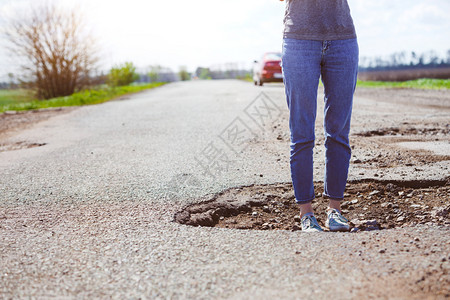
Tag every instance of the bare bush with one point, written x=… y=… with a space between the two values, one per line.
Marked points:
x=57 y=52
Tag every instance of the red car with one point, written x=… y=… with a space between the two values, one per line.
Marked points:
x=268 y=69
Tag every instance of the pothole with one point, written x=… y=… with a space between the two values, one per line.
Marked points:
x=439 y=148
x=419 y=158
x=406 y=145
x=368 y=204
x=407 y=130
x=19 y=145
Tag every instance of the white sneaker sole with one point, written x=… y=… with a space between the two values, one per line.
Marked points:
x=337 y=228
x=312 y=230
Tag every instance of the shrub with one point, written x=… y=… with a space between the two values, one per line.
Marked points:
x=184 y=74
x=122 y=75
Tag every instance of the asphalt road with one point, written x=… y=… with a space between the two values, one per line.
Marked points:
x=90 y=214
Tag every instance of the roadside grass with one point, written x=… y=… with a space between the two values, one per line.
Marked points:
x=20 y=100
x=425 y=83
x=246 y=77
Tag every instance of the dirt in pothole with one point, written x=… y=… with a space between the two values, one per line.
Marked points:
x=19 y=145
x=417 y=159
x=408 y=129
x=369 y=205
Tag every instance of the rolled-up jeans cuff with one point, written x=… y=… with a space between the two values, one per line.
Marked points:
x=304 y=201
x=332 y=197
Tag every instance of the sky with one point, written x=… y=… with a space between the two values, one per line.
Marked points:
x=212 y=33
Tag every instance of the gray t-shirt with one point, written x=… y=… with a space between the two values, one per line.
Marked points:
x=318 y=20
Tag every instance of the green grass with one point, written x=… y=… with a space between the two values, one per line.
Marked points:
x=246 y=77
x=14 y=96
x=427 y=84
x=17 y=100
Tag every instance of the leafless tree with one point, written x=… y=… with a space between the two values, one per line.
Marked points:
x=57 y=51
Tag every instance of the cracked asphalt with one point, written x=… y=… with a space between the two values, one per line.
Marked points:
x=90 y=213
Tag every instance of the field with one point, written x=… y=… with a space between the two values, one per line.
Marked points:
x=16 y=100
x=8 y=97
x=405 y=74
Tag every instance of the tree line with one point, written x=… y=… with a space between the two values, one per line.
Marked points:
x=405 y=60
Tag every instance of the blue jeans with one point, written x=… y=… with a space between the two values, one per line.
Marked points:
x=303 y=63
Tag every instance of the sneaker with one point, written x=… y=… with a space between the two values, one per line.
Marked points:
x=309 y=224
x=335 y=221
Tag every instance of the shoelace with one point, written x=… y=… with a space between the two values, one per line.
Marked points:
x=308 y=222
x=338 y=215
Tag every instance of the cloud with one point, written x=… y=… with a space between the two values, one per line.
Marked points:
x=424 y=16
x=386 y=26
x=196 y=32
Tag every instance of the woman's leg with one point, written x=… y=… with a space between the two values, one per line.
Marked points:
x=339 y=75
x=301 y=69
